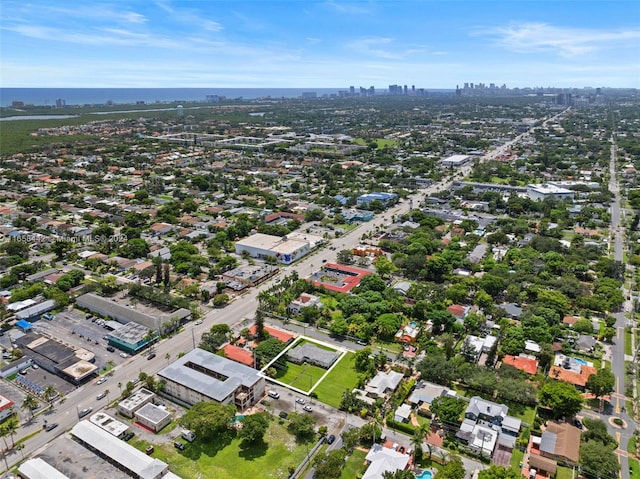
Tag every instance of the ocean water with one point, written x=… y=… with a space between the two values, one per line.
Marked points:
x=101 y=96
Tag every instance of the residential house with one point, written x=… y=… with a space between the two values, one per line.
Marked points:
x=523 y=362
x=382 y=459
x=561 y=442
x=383 y=384
x=305 y=300
x=485 y=412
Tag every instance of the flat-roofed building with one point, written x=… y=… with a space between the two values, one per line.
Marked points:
x=153 y=417
x=286 y=249
x=6 y=408
x=111 y=425
x=127 y=407
x=131 y=337
x=203 y=376
x=540 y=192
x=455 y=160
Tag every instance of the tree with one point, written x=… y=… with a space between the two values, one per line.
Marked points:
x=208 y=419
x=254 y=428
x=344 y=256
x=329 y=465
x=384 y=267
x=363 y=361
x=302 y=426
x=448 y=409
x=562 y=399
x=269 y=349
x=453 y=469
x=601 y=383
x=598 y=460
x=29 y=404
x=442 y=321
x=350 y=438
x=50 y=394
x=499 y=472
x=215 y=337
x=259 y=322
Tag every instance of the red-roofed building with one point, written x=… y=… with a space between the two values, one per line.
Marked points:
x=579 y=380
x=283 y=214
x=238 y=355
x=338 y=277
x=458 y=311
x=523 y=363
x=6 y=408
x=283 y=336
x=570 y=320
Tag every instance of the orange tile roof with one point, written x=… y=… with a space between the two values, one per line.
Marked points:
x=571 y=377
x=238 y=355
x=571 y=319
x=275 y=333
x=528 y=365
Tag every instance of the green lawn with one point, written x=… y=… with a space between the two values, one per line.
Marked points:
x=516 y=458
x=228 y=458
x=564 y=473
x=634 y=465
x=301 y=376
x=341 y=377
x=525 y=413
x=354 y=467
x=627 y=341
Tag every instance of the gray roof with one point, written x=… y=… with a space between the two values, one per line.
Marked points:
x=36 y=309
x=131 y=333
x=478 y=406
x=548 y=442
x=41 y=274
x=236 y=374
x=152 y=413
x=511 y=423
x=425 y=392
x=119 y=451
x=313 y=353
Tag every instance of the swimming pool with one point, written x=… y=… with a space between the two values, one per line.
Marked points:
x=413 y=324
x=425 y=475
x=580 y=361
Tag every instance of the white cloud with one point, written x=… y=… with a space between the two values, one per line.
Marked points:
x=350 y=8
x=566 y=42
x=191 y=17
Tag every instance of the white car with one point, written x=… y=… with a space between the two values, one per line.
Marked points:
x=307 y=408
x=197 y=322
x=101 y=380
x=124 y=355
x=300 y=401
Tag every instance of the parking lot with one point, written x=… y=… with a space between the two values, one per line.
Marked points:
x=79 y=330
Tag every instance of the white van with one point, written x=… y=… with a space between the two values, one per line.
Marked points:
x=274 y=394
x=188 y=435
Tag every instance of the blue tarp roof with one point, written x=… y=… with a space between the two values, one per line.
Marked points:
x=24 y=324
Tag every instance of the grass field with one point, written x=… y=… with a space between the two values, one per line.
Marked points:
x=341 y=377
x=564 y=473
x=634 y=467
x=627 y=341
x=354 y=467
x=228 y=458
x=516 y=458
x=301 y=376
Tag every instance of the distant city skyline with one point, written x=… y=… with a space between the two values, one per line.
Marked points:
x=319 y=44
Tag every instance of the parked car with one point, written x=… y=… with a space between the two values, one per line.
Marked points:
x=51 y=426
x=300 y=401
x=124 y=355
x=307 y=408
x=577 y=423
x=101 y=381
x=178 y=445
x=331 y=439
x=274 y=394
x=111 y=349
x=151 y=356
x=197 y=322
x=85 y=411
x=128 y=436
x=101 y=396
x=283 y=415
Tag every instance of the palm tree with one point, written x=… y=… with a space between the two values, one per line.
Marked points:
x=29 y=404
x=167 y=357
x=50 y=394
x=106 y=393
x=20 y=447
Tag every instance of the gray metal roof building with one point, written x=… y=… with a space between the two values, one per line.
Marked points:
x=36 y=310
x=200 y=374
x=37 y=468
x=135 y=462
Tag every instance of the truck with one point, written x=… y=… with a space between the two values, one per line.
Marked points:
x=188 y=435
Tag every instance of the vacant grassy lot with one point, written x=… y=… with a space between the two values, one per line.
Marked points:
x=228 y=458
x=341 y=377
x=301 y=376
x=354 y=467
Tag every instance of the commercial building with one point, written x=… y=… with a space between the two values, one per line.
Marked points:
x=384 y=198
x=131 y=337
x=338 y=277
x=124 y=314
x=37 y=468
x=285 y=250
x=135 y=463
x=455 y=160
x=127 y=407
x=153 y=417
x=111 y=425
x=34 y=312
x=203 y=376
x=540 y=192
x=6 y=408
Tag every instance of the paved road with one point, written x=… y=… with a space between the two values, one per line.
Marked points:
x=65 y=415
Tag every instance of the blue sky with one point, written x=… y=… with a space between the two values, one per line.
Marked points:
x=304 y=43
